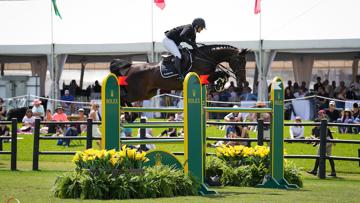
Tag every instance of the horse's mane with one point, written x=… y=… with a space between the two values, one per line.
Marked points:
x=218 y=47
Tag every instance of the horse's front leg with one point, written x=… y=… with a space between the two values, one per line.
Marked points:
x=129 y=117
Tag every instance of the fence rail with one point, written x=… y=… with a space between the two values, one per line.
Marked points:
x=143 y=140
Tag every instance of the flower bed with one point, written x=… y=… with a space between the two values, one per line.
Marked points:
x=244 y=166
x=101 y=174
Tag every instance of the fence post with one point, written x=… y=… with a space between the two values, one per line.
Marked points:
x=1 y=144
x=89 y=125
x=142 y=133
x=260 y=134
x=13 y=143
x=359 y=155
x=35 y=166
x=322 y=149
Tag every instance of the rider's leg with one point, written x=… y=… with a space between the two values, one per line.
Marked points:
x=173 y=49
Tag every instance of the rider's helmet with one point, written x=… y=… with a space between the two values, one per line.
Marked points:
x=199 y=22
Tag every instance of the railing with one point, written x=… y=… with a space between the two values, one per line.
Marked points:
x=13 y=137
x=36 y=152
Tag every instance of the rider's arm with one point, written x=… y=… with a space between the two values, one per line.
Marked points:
x=188 y=35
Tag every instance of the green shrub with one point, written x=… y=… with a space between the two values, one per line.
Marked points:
x=247 y=175
x=157 y=181
x=292 y=174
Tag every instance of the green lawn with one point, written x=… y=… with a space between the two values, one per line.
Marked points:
x=28 y=186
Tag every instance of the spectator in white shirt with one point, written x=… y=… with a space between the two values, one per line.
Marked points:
x=38 y=109
x=28 y=121
x=297 y=132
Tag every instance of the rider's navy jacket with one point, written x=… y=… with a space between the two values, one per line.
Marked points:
x=184 y=33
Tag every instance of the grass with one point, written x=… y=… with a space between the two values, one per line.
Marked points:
x=36 y=186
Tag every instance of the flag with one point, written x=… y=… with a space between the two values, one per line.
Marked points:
x=257 y=7
x=56 y=9
x=160 y=4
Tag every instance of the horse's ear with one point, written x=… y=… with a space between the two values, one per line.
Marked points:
x=244 y=51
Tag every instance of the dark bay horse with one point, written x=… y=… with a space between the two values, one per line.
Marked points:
x=144 y=80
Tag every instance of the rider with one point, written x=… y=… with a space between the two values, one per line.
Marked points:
x=184 y=33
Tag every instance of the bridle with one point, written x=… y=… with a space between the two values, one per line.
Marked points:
x=206 y=58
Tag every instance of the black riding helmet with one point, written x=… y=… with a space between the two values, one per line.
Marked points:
x=199 y=22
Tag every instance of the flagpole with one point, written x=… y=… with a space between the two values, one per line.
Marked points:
x=152 y=32
x=260 y=58
x=52 y=57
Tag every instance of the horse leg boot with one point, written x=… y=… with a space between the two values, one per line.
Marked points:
x=178 y=68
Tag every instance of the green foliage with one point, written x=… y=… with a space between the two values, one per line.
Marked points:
x=157 y=181
x=292 y=174
x=246 y=175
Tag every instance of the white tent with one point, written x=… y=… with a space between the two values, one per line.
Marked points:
x=288 y=28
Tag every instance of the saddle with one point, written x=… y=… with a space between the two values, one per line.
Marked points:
x=167 y=64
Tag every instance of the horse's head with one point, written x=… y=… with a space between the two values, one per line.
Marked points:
x=237 y=63
x=216 y=54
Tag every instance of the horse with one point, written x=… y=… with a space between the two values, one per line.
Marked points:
x=145 y=79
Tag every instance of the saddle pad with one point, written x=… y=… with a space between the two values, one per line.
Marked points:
x=167 y=70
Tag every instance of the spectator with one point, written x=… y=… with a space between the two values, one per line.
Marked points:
x=4 y=131
x=171 y=132
x=289 y=87
x=70 y=131
x=38 y=109
x=59 y=116
x=346 y=118
x=299 y=94
x=28 y=121
x=322 y=101
x=235 y=131
x=148 y=134
x=95 y=116
x=237 y=116
x=68 y=98
x=2 y=109
x=96 y=88
x=49 y=128
x=289 y=94
x=303 y=87
x=297 y=132
x=81 y=117
x=322 y=115
x=73 y=88
x=356 y=85
x=350 y=93
x=125 y=132
x=355 y=110
x=246 y=88
x=341 y=96
x=315 y=133
x=332 y=113
x=296 y=87
x=340 y=88
x=317 y=84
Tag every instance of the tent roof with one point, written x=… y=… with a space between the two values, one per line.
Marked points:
x=130 y=27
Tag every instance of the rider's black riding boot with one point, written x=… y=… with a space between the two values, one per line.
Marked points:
x=178 y=68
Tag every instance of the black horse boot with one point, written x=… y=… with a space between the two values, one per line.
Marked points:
x=178 y=68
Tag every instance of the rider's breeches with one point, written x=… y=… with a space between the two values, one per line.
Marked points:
x=171 y=47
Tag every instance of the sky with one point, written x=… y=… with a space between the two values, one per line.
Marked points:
x=133 y=21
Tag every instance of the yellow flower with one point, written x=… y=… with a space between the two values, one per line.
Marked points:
x=113 y=160
x=131 y=153
x=121 y=154
x=77 y=157
x=138 y=156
